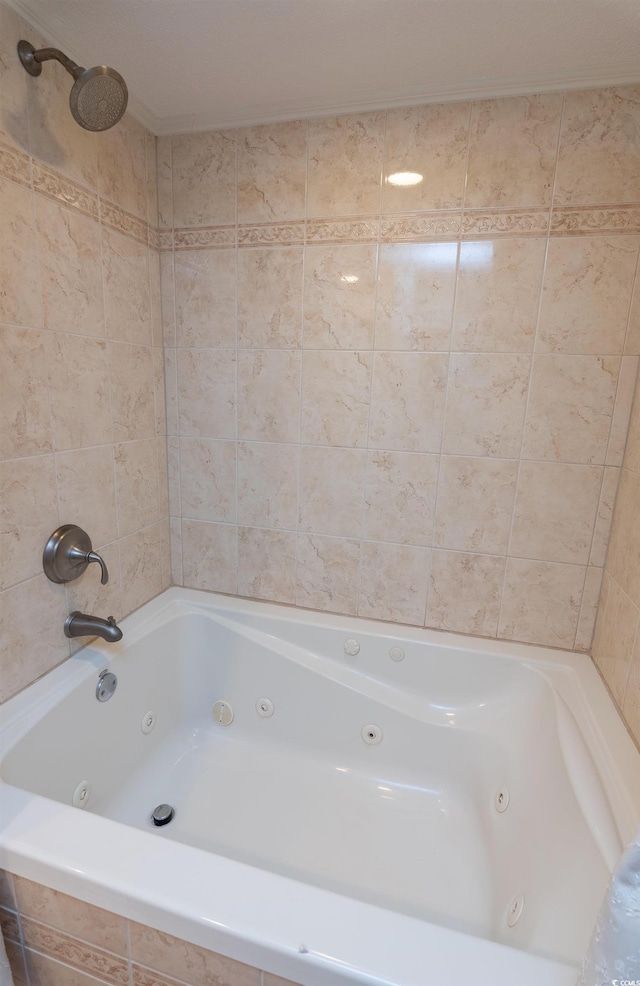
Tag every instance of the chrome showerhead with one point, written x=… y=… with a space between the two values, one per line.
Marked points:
x=99 y=95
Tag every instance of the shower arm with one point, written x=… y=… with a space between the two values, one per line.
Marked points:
x=31 y=59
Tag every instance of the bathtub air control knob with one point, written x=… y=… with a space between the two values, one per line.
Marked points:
x=162 y=815
x=351 y=647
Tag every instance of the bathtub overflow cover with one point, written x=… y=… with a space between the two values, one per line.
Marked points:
x=162 y=815
x=106 y=686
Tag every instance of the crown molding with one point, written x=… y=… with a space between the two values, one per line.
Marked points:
x=628 y=74
x=355 y=102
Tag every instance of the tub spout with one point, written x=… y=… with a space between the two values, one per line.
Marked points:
x=82 y=625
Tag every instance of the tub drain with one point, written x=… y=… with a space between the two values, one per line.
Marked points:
x=162 y=815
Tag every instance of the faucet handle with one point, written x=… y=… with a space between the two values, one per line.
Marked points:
x=104 y=577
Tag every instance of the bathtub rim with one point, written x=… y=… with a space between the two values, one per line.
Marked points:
x=51 y=843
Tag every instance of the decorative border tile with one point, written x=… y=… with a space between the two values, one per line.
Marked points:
x=154 y=238
x=165 y=239
x=603 y=219
x=55 y=186
x=271 y=234
x=426 y=226
x=204 y=238
x=15 y=165
x=364 y=230
x=520 y=222
x=123 y=222
x=80 y=955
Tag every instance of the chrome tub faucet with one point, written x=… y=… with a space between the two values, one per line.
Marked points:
x=82 y=625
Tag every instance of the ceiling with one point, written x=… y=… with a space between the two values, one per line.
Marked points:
x=206 y=64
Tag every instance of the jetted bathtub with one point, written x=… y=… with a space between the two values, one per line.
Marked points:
x=355 y=802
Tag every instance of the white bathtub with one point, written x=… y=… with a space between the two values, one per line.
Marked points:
x=299 y=847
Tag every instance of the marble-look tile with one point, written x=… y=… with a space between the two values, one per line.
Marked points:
x=28 y=514
x=622 y=410
x=407 y=401
x=208 y=479
x=168 y=299
x=339 y=296
x=165 y=554
x=604 y=517
x=77 y=918
x=171 y=390
x=541 y=602
x=335 y=398
x=599 y=156
x=272 y=172
x=25 y=419
x=122 y=167
x=632 y=341
x=163 y=476
x=586 y=294
x=393 y=582
x=615 y=635
x=140 y=567
x=570 y=407
x=268 y=395
x=512 y=150
x=207 y=393
x=345 y=165
x=7 y=896
x=267 y=484
x=209 y=556
x=13 y=82
x=631 y=702
x=205 y=285
x=475 y=503
x=331 y=491
x=400 y=497
x=55 y=137
x=498 y=295
x=173 y=476
x=555 y=511
x=78 y=379
x=132 y=392
x=33 y=610
x=270 y=297
x=45 y=970
x=204 y=178
x=70 y=268
x=159 y=397
x=19 y=278
x=465 y=591
x=486 y=402
x=414 y=305
x=588 y=610
x=165 y=184
x=623 y=557
x=175 y=531
x=430 y=141
x=155 y=298
x=16 y=963
x=136 y=471
x=151 y=152
x=189 y=963
x=86 y=491
x=127 y=304
x=632 y=450
x=267 y=564
x=327 y=573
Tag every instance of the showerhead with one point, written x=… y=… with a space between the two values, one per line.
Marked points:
x=99 y=95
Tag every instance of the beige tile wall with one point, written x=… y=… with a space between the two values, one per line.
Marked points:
x=616 y=644
x=406 y=403
x=82 y=407
x=60 y=941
